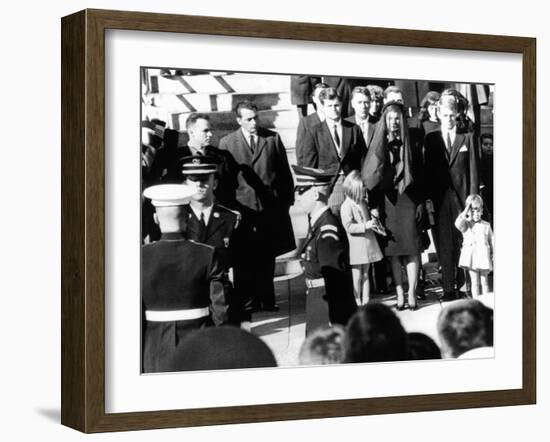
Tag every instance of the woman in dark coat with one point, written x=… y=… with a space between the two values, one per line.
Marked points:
x=392 y=172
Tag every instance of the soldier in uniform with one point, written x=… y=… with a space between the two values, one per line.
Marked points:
x=181 y=281
x=325 y=254
x=210 y=223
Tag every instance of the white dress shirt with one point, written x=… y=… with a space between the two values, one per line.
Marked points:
x=364 y=125
x=247 y=136
x=207 y=212
x=452 y=134
x=195 y=151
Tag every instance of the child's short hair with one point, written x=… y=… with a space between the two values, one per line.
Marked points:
x=323 y=346
x=474 y=198
x=354 y=187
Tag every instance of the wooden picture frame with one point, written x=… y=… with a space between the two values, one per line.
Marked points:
x=83 y=219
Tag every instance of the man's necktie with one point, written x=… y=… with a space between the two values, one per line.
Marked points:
x=203 y=227
x=337 y=139
x=252 y=143
x=449 y=142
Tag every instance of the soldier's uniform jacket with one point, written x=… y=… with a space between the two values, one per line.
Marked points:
x=178 y=275
x=219 y=232
x=325 y=255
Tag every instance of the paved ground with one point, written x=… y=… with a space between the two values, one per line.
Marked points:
x=284 y=331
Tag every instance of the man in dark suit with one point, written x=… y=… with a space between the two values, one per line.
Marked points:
x=264 y=195
x=335 y=145
x=360 y=102
x=210 y=223
x=307 y=124
x=451 y=174
x=181 y=281
x=325 y=254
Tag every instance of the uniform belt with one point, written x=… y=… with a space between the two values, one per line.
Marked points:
x=176 y=315
x=314 y=283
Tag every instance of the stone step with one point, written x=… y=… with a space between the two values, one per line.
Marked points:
x=288 y=137
x=219 y=83
x=224 y=102
x=268 y=118
x=284 y=121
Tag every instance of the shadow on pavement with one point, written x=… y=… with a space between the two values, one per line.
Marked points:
x=271 y=326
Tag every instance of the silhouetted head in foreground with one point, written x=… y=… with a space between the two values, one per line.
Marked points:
x=421 y=346
x=323 y=346
x=221 y=348
x=464 y=325
x=375 y=334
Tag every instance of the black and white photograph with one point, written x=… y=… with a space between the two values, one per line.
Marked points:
x=316 y=240
x=303 y=220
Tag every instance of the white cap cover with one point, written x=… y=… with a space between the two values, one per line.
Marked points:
x=164 y=195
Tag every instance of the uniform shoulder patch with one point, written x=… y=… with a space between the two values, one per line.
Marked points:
x=330 y=235
x=329 y=227
x=237 y=214
x=201 y=245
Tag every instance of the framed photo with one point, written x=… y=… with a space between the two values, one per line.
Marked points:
x=134 y=80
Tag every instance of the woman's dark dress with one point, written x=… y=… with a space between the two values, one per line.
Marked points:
x=403 y=230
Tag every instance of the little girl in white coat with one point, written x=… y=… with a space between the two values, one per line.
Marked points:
x=363 y=245
x=476 y=255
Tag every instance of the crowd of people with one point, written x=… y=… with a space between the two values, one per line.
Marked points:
x=372 y=184
x=373 y=334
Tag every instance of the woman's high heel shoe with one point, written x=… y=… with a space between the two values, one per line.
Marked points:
x=413 y=305
x=400 y=305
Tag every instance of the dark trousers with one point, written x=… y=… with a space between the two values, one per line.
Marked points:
x=160 y=340
x=378 y=276
x=264 y=273
x=448 y=241
x=317 y=314
x=254 y=273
